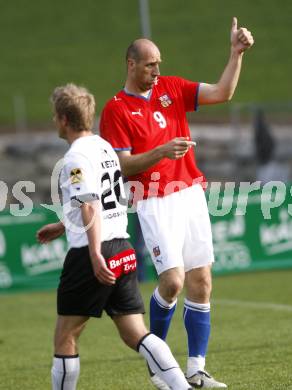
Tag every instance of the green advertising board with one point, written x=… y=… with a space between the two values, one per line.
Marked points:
x=24 y=263
x=251 y=241
x=252 y=236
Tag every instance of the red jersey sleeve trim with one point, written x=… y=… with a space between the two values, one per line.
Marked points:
x=121 y=149
x=197 y=97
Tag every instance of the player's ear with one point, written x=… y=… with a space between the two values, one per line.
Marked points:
x=131 y=63
x=63 y=120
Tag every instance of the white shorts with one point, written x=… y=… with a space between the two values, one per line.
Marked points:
x=177 y=229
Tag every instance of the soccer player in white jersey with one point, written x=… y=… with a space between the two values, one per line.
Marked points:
x=99 y=272
x=146 y=124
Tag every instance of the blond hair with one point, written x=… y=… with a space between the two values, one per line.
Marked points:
x=77 y=104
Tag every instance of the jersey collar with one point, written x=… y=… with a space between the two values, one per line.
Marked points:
x=148 y=97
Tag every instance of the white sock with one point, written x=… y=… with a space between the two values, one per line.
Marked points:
x=162 y=362
x=195 y=364
x=65 y=372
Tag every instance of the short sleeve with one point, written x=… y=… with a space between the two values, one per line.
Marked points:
x=113 y=127
x=189 y=91
x=79 y=179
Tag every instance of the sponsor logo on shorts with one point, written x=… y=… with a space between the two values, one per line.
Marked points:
x=123 y=263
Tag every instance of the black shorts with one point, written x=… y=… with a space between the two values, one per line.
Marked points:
x=81 y=294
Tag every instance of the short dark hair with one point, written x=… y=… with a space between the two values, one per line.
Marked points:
x=133 y=52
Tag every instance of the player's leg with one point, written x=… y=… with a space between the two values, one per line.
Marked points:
x=163 y=300
x=197 y=324
x=156 y=352
x=76 y=278
x=197 y=316
x=126 y=306
x=162 y=226
x=66 y=364
x=198 y=258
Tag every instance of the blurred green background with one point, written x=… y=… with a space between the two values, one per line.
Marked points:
x=48 y=43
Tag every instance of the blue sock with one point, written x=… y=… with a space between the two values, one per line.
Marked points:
x=197 y=324
x=161 y=313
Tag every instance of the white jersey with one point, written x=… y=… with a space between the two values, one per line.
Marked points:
x=91 y=170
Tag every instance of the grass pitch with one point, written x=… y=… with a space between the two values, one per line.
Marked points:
x=250 y=346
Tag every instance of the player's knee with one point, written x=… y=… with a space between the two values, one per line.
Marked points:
x=204 y=288
x=171 y=283
x=207 y=285
x=131 y=342
x=65 y=341
x=172 y=288
x=133 y=339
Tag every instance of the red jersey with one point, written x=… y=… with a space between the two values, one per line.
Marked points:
x=139 y=124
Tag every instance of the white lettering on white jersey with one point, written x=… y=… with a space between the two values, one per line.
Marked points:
x=100 y=178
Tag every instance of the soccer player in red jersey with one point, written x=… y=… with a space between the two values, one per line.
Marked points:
x=147 y=126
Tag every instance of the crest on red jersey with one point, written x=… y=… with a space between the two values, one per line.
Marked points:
x=165 y=100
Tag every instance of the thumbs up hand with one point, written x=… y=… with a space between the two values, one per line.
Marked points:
x=241 y=38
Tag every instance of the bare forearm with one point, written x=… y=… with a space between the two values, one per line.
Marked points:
x=224 y=89
x=132 y=164
x=91 y=220
x=137 y=163
x=50 y=232
x=241 y=39
x=91 y=215
x=230 y=76
x=60 y=228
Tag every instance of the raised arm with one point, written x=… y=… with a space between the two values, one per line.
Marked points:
x=223 y=90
